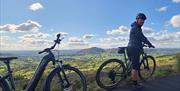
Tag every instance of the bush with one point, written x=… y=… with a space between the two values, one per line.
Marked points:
x=178 y=62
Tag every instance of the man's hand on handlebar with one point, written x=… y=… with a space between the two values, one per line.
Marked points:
x=151 y=46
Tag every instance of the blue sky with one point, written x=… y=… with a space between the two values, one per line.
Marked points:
x=31 y=24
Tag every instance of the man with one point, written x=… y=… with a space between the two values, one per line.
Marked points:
x=135 y=47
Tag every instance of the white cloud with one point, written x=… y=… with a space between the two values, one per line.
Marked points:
x=35 y=36
x=120 y=30
x=29 y=25
x=114 y=39
x=112 y=42
x=176 y=1
x=167 y=39
x=7 y=44
x=4 y=38
x=106 y=39
x=88 y=36
x=165 y=36
x=175 y=21
x=3 y=41
x=121 y=38
x=8 y=27
x=162 y=9
x=35 y=6
x=36 y=40
x=77 y=43
x=75 y=39
x=33 y=41
x=147 y=30
x=170 y=36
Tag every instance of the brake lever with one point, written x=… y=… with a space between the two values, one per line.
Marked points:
x=62 y=38
x=144 y=45
x=40 y=52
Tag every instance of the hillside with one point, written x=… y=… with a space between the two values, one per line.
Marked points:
x=93 y=50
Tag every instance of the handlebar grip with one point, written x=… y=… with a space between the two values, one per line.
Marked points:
x=144 y=45
x=40 y=52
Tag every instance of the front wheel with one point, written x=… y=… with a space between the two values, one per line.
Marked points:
x=110 y=74
x=147 y=67
x=3 y=85
x=74 y=76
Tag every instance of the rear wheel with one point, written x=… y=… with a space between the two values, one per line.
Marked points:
x=147 y=67
x=110 y=73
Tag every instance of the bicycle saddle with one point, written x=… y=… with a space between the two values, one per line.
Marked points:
x=121 y=49
x=7 y=58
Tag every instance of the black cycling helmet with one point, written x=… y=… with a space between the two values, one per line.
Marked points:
x=141 y=16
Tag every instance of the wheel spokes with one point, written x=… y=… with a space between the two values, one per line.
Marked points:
x=147 y=68
x=110 y=73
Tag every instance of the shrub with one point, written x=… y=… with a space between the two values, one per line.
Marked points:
x=178 y=61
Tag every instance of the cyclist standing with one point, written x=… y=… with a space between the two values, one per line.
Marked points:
x=135 y=47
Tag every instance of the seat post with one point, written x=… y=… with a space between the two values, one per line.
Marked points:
x=7 y=62
x=125 y=58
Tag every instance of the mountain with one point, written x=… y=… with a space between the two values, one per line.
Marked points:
x=150 y=50
x=112 y=50
x=92 y=50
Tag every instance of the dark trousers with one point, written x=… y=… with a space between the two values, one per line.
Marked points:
x=134 y=56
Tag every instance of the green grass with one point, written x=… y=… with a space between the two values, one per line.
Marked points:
x=24 y=69
x=178 y=62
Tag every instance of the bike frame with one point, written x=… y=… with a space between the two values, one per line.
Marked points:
x=143 y=55
x=36 y=76
x=8 y=76
x=39 y=71
x=32 y=84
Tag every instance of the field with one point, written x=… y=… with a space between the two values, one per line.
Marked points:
x=24 y=68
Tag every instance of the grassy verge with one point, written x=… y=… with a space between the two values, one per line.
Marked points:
x=166 y=65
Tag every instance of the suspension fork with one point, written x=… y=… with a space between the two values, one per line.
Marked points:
x=145 y=62
x=60 y=65
x=9 y=76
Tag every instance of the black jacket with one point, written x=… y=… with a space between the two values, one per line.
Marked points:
x=137 y=37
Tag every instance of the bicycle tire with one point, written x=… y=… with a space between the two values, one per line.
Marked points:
x=146 y=59
x=47 y=86
x=4 y=85
x=98 y=74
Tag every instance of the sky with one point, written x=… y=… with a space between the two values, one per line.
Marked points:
x=33 y=24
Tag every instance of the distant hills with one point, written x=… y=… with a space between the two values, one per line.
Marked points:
x=93 y=50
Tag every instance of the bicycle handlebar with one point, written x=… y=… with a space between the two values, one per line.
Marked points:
x=145 y=45
x=57 y=41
